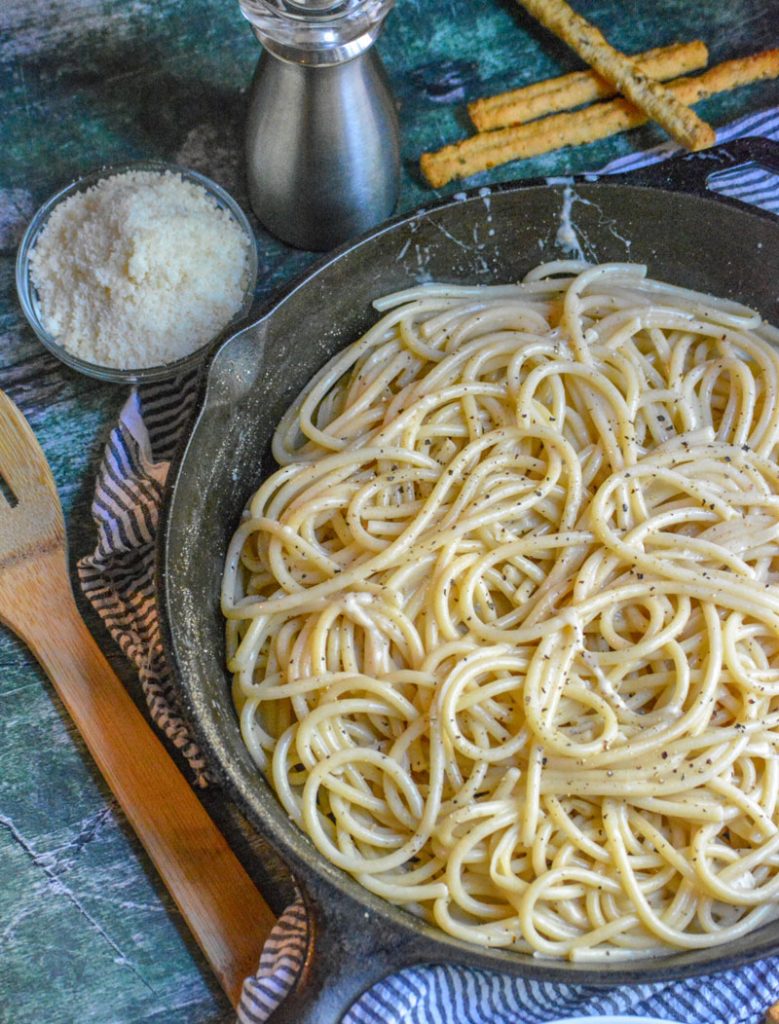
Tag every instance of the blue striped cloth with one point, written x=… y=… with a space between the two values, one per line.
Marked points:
x=118 y=578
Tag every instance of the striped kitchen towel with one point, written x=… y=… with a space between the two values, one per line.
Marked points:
x=118 y=578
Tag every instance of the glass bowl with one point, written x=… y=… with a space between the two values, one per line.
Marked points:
x=28 y=296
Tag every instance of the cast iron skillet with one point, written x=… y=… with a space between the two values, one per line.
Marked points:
x=663 y=216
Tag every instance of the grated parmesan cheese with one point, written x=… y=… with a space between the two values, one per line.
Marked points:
x=139 y=270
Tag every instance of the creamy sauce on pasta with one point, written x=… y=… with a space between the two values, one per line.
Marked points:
x=504 y=624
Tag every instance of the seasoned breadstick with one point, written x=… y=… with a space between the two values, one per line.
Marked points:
x=490 y=149
x=568 y=91
x=628 y=78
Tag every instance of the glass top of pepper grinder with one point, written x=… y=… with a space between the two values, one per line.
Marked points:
x=316 y=31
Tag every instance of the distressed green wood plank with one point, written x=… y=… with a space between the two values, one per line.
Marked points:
x=86 y=932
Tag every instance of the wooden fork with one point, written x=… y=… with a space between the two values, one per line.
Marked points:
x=224 y=911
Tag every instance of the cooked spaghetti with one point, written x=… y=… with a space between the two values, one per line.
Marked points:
x=504 y=626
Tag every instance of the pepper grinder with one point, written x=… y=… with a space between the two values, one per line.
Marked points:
x=322 y=149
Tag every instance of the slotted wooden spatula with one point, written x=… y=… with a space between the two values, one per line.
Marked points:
x=225 y=912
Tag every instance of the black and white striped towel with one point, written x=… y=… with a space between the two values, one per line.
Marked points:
x=119 y=581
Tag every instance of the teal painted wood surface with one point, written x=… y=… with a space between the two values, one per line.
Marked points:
x=86 y=932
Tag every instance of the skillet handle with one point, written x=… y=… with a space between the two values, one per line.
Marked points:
x=347 y=953
x=690 y=172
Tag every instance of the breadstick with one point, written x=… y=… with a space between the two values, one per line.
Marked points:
x=490 y=149
x=626 y=75
x=568 y=91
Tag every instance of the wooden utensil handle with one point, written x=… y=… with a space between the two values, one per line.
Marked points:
x=221 y=905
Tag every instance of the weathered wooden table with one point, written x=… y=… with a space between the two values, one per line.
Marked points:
x=87 y=933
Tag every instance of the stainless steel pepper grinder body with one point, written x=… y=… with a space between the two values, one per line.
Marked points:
x=322 y=149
